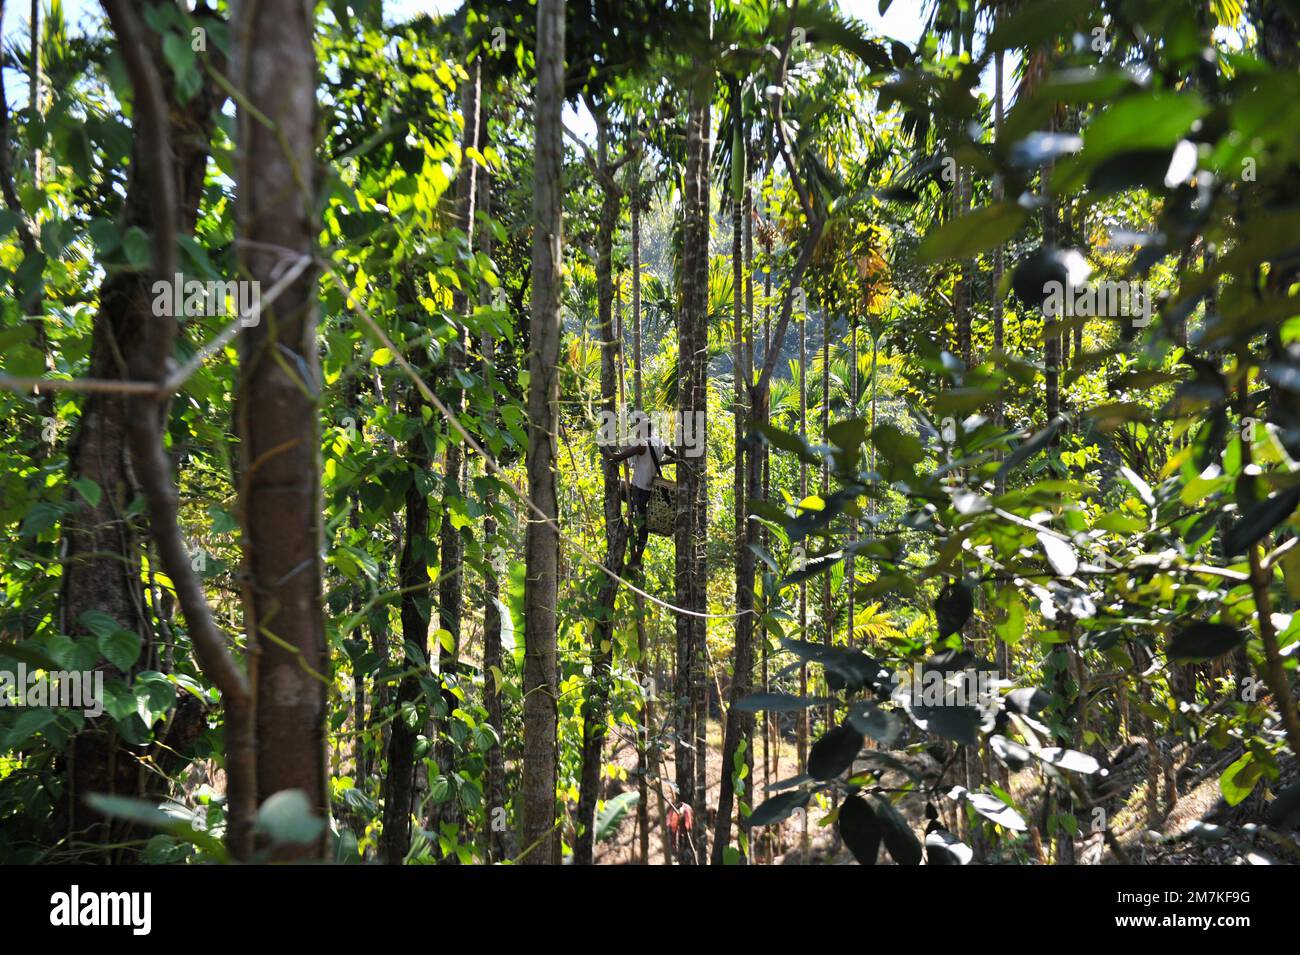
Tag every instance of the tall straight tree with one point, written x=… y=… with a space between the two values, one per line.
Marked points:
x=278 y=404
x=451 y=543
x=596 y=698
x=690 y=529
x=739 y=727
x=541 y=845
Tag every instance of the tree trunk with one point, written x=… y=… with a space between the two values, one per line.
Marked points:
x=451 y=541
x=739 y=727
x=541 y=844
x=101 y=548
x=690 y=530
x=279 y=392
x=596 y=697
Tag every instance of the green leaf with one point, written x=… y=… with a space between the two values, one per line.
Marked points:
x=834 y=752
x=860 y=829
x=611 y=817
x=1239 y=779
x=869 y=720
x=957 y=723
x=139 y=247
x=287 y=818
x=1259 y=519
x=27 y=724
x=965 y=235
x=89 y=490
x=995 y=810
x=779 y=807
x=120 y=647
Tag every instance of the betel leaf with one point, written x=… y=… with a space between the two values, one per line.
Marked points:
x=834 y=752
x=1203 y=640
x=860 y=829
x=1259 y=519
x=899 y=838
x=953 y=608
x=779 y=807
x=120 y=648
x=965 y=235
x=99 y=623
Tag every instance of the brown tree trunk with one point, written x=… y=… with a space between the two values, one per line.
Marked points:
x=452 y=543
x=101 y=546
x=541 y=844
x=279 y=393
x=690 y=530
x=739 y=727
x=596 y=696
x=413 y=578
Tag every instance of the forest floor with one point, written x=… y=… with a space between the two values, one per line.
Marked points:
x=1188 y=823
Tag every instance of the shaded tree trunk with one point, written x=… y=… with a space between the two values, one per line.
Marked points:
x=595 y=708
x=452 y=543
x=101 y=547
x=279 y=393
x=413 y=579
x=541 y=844
x=739 y=726
x=690 y=530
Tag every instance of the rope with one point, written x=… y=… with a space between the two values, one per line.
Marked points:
x=496 y=470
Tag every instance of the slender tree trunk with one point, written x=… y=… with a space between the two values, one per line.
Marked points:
x=279 y=393
x=690 y=499
x=495 y=565
x=451 y=539
x=413 y=578
x=541 y=843
x=101 y=546
x=739 y=726
x=596 y=697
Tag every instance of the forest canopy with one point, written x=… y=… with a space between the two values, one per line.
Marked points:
x=653 y=432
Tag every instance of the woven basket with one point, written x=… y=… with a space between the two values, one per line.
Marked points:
x=661 y=511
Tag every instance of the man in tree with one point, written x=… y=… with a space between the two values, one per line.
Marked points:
x=648 y=451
